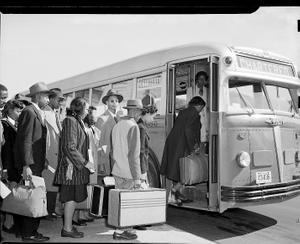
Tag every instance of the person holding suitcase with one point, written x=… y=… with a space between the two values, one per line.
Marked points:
x=126 y=155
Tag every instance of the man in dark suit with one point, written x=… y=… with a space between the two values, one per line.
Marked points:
x=30 y=150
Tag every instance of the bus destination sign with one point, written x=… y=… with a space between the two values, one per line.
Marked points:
x=149 y=82
x=264 y=66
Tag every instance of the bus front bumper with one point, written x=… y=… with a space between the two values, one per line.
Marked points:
x=258 y=193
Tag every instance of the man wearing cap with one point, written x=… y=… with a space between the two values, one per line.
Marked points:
x=30 y=151
x=53 y=139
x=105 y=124
x=126 y=154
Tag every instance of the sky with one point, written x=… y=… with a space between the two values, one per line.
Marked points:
x=52 y=47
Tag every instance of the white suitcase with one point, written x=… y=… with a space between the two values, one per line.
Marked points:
x=136 y=207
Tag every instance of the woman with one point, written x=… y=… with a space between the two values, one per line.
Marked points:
x=11 y=113
x=181 y=141
x=148 y=113
x=74 y=167
x=105 y=124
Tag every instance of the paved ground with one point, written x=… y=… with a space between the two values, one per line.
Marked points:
x=99 y=232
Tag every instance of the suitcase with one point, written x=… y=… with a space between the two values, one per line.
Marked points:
x=136 y=207
x=193 y=169
x=99 y=201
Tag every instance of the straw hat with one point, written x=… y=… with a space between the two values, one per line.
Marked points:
x=22 y=98
x=37 y=88
x=112 y=92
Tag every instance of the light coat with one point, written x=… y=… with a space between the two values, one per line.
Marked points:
x=105 y=124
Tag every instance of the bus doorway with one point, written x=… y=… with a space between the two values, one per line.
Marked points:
x=186 y=80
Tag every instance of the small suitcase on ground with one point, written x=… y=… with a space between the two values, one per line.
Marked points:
x=99 y=201
x=136 y=207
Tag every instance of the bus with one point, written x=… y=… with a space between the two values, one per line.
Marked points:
x=252 y=124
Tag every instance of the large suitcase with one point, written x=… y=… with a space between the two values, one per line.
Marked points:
x=193 y=169
x=136 y=207
x=99 y=201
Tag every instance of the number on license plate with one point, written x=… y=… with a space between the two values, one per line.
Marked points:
x=263 y=177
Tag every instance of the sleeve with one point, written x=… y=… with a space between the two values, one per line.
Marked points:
x=70 y=137
x=133 y=138
x=25 y=134
x=7 y=148
x=191 y=129
x=143 y=149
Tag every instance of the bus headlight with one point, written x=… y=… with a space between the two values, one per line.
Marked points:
x=243 y=159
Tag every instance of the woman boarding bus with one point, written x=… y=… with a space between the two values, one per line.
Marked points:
x=250 y=138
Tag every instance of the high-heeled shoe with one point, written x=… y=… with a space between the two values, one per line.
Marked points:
x=182 y=198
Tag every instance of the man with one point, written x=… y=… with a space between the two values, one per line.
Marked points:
x=30 y=150
x=54 y=129
x=105 y=124
x=3 y=97
x=126 y=154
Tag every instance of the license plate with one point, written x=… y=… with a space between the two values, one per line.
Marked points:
x=263 y=177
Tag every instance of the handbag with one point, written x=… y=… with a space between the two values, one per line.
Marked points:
x=28 y=201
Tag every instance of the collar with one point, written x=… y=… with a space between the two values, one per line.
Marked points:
x=12 y=121
x=113 y=115
x=36 y=106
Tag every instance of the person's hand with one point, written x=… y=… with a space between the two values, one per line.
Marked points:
x=137 y=184
x=27 y=173
x=90 y=166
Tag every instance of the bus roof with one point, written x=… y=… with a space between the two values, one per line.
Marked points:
x=151 y=60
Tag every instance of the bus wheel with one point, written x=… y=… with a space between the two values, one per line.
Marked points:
x=153 y=175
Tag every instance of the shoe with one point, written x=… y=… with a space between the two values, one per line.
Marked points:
x=57 y=215
x=73 y=234
x=181 y=197
x=11 y=230
x=37 y=238
x=87 y=220
x=79 y=222
x=140 y=227
x=124 y=236
x=51 y=217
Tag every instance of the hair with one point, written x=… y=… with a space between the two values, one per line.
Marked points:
x=149 y=109
x=3 y=88
x=77 y=105
x=53 y=94
x=201 y=73
x=12 y=104
x=89 y=120
x=196 y=101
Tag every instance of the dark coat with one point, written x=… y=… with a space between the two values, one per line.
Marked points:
x=74 y=149
x=7 y=153
x=180 y=142
x=30 y=145
x=144 y=154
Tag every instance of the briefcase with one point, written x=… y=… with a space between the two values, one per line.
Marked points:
x=193 y=169
x=136 y=207
x=99 y=200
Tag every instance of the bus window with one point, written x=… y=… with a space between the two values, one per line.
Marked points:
x=149 y=91
x=281 y=99
x=97 y=94
x=125 y=88
x=244 y=95
x=181 y=85
x=83 y=93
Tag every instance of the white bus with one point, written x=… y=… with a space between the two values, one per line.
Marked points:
x=252 y=122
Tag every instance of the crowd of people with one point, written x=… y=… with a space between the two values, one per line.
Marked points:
x=82 y=149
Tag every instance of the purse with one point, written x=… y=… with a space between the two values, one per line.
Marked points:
x=28 y=201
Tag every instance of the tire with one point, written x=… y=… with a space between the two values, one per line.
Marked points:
x=153 y=175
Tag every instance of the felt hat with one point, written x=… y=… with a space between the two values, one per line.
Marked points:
x=56 y=92
x=37 y=88
x=22 y=98
x=134 y=103
x=112 y=92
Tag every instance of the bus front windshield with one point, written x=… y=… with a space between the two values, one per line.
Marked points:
x=245 y=95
